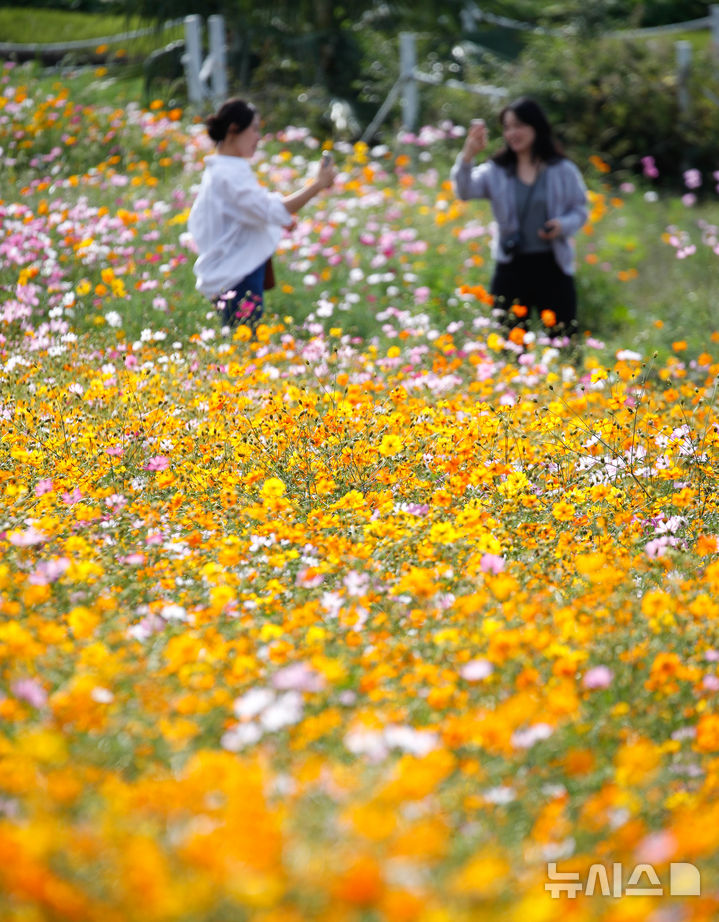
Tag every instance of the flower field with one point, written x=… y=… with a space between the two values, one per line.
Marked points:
x=374 y=617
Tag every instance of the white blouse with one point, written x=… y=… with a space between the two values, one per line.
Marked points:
x=235 y=223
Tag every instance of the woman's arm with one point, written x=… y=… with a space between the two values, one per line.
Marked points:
x=325 y=177
x=470 y=182
x=257 y=206
x=574 y=205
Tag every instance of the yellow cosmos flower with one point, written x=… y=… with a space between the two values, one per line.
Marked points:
x=563 y=511
x=273 y=488
x=82 y=621
x=390 y=445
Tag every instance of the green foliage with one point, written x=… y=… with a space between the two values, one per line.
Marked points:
x=619 y=98
x=593 y=18
x=660 y=12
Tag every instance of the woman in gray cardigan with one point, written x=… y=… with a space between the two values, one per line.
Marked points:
x=539 y=202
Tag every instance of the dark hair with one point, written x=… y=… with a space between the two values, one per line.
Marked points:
x=545 y=147
x=232 y=117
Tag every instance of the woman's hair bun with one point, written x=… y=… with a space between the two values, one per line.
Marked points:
x=215 y=129
x=233 y=116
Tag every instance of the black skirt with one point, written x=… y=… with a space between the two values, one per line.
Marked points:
x=535 y=281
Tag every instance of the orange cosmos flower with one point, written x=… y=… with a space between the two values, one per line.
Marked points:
x=361 y=884
x=599 y=164
x=707 y=738
x=706 y=545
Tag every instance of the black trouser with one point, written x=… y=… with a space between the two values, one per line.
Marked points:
x=536 y=281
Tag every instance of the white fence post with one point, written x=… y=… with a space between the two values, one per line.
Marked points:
x=192 y=58
x=410 y=92
x=684 y=60
x=714 y=24
x=407 y=84
x=206 y=77
x=218 y=55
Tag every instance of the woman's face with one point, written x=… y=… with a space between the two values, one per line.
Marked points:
x=519 y=136
x=244 y=143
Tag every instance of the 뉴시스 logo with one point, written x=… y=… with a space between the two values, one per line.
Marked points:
x=684 y=880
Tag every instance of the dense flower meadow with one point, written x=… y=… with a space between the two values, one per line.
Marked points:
x=313 y=625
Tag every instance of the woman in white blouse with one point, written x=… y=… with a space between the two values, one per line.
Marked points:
x=235 y=222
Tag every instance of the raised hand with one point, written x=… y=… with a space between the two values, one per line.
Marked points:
x=476 y=140
x=327 y=172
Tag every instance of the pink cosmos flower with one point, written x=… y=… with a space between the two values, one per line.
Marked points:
x=649 y=168
x=48 y=571
x=492 y=563
x=476 y=670
x=598 y=677
x=657 y=848
x=30 y=690
x=298 y=677
x=158 y=463
x=356 y=583
x=43 y=486
x=135 y=560
x=27 y=538
x=71 y=498
x=525 y=739
x=657 y=547
x=146 y=627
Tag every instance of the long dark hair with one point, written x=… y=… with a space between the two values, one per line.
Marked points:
x=232 y=117
x=545 y=146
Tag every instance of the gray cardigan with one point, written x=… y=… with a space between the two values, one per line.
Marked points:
x=566 y=200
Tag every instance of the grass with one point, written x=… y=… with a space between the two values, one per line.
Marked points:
x=667 y=298
x=19 y=25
